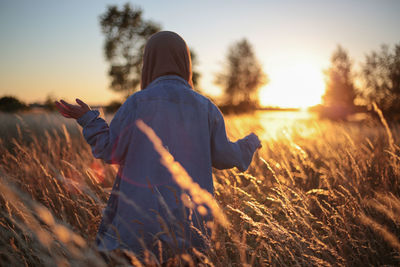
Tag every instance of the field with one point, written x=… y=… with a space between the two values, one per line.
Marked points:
x=318 y=193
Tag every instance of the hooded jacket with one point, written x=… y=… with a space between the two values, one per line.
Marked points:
x=190 y=126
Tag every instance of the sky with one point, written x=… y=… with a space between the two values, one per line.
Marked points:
x=54 y=47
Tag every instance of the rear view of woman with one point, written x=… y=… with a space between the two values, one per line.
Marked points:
x=191 y=128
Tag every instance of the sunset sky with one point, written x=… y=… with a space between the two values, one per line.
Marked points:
x=56 y=47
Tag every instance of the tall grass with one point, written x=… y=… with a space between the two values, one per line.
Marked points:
x=318 y=193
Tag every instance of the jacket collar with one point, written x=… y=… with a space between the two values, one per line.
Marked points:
x=168 y=77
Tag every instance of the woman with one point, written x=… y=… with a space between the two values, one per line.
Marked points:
x=190 y=126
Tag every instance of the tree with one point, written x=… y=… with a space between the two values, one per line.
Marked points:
x=195 y=73
x=242 y=76
x=381 y=76
x=49 y=102
x=340 y=91
x=11 y=104
x=126 y=33
x=113 y=106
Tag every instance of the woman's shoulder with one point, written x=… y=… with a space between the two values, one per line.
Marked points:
x=128 y=105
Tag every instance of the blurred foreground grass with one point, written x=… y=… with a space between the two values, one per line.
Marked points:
x=318 y=193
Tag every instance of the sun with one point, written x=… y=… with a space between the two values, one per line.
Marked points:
x=293 y=86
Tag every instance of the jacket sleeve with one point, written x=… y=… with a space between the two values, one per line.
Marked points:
x=226 y=154
x=109 y=143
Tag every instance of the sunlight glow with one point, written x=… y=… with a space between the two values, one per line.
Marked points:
x=296 y=86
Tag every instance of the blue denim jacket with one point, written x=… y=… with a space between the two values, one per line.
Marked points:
x=192 y=128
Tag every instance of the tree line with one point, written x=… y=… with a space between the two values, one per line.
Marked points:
x=126 y=32
x=378 y=82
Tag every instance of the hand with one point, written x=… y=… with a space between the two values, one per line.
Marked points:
x=72 y=111
x=256 y=140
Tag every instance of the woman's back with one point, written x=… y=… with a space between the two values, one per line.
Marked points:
x=181 y=118
x=146 y=205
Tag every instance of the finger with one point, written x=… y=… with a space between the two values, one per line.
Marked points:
x=66 y=104
x=81 y=103
x=64 y=111
x=66 y=115
x=72 y=109
x=61 y=107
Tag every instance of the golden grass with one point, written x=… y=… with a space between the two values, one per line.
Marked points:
x=318 y=193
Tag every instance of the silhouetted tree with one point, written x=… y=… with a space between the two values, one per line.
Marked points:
x=11 y=104
x=340 y=91
x=381 y=76
x=126 y=33
x=338 y=100
x=242 y=75
x=49 y=102
x=195 y=73
x=113 y=106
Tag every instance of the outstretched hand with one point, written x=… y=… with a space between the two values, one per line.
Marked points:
x=256 y=140
x=72 y=111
